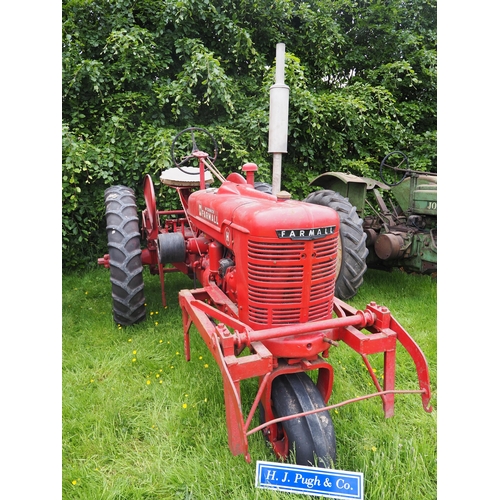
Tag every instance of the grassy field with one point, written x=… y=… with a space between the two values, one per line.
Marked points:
x=139 y=422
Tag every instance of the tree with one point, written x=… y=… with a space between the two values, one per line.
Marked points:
x=362 y=78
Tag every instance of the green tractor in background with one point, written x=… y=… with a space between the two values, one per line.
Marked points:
x=403 y=236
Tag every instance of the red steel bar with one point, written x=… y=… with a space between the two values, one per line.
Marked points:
x=210 y=311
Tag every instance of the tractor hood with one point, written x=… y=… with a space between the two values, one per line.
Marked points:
x=242 y=208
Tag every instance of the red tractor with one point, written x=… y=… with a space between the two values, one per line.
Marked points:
x=265 y=305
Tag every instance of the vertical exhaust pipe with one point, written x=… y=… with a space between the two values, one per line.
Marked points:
x=278 y=117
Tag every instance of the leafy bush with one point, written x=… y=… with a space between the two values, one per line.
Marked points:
x=362 y=78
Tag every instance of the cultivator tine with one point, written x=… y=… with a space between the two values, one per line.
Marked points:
x=420 y=362
x=382 y=338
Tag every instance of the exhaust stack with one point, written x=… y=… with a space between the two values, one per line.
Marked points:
x=278 y=117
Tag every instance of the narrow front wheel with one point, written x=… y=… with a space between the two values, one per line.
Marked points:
x=309 y=440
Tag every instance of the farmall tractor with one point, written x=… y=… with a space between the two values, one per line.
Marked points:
x=264 y=303
x=403 y=236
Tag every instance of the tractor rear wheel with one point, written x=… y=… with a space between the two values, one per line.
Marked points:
x=311 y=439
x=264 y=187
x=125 y=263
x=352 y=251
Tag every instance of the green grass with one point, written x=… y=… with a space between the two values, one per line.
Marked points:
x=139 y=422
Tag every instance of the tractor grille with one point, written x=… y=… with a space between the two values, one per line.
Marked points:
x=291 y=282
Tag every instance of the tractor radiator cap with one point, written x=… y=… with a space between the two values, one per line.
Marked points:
x=283 y=195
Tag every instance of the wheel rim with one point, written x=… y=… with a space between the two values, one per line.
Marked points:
x=152 y=214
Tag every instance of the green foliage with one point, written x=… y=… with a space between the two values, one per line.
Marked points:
x=362 y=78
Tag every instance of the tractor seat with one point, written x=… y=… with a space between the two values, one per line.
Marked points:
x=187 y=177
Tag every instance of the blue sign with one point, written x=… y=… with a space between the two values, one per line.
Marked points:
x=313 y=481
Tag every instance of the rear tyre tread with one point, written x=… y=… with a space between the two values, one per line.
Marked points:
x=264 y=187
x=125 y=262
x=354 y=250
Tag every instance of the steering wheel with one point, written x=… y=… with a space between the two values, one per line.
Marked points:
x=394 y=164
x=185 y=147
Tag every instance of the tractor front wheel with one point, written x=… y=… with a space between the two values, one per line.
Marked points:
x=351 y=248
x=310 y=439
x=125 y=262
